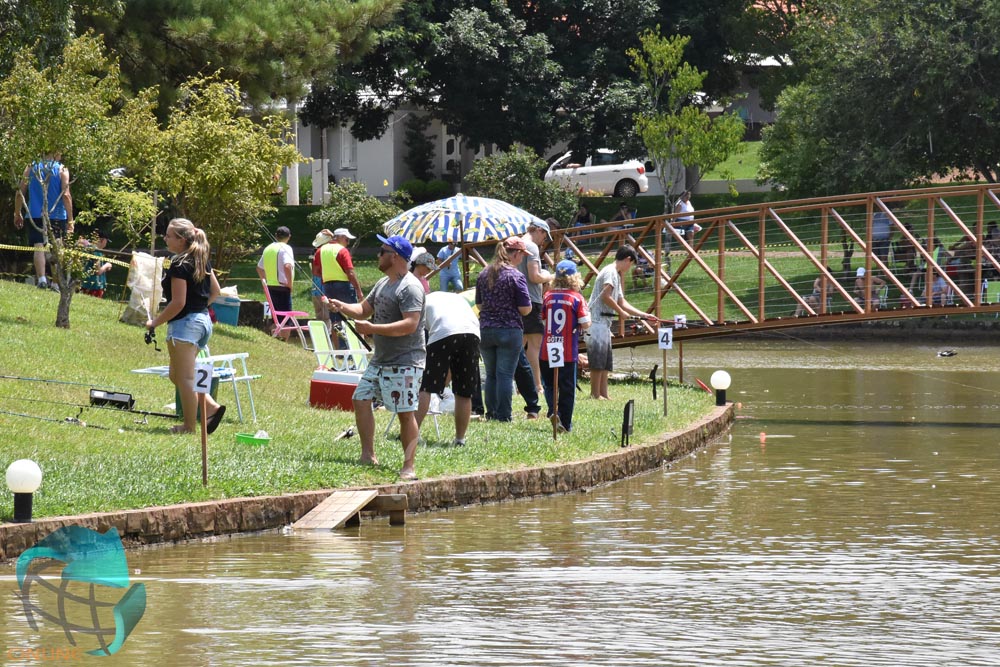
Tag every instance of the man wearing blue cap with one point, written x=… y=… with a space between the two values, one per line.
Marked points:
x=395 y=308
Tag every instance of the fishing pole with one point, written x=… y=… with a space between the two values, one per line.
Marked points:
x=92 y=406
x=47 y=381
x=68 y=420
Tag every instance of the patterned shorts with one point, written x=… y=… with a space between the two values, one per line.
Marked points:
x=459 y=354
x=395 y=386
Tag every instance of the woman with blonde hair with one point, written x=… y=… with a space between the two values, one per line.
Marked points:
x=189 y=286
x=502 y=297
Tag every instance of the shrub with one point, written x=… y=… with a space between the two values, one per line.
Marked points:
x=351 y=206
x=416 y=188
x=439 y=189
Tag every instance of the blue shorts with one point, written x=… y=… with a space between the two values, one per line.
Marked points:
x=35 y=236
x=194 y=328
x=317 y=288
x=396 y=386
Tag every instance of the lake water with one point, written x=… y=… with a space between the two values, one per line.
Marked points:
x=861 y=529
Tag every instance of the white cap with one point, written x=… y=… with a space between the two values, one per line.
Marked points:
x=322 y=238
x=342 y=231
x=861 y=271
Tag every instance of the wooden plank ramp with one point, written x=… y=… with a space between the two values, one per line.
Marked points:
x=336 y=510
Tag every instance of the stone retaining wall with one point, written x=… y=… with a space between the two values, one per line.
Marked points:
x=175 y=523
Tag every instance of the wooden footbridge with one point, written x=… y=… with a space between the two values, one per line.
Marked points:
x=924 y=253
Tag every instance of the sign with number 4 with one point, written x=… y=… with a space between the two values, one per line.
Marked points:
x=556 y=357
x=665 y=336
x=203 y=378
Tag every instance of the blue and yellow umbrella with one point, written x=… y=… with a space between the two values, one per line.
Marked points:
x=460 y=219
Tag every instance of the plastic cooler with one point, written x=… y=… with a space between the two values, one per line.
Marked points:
x=333 y=390
x=227 y=309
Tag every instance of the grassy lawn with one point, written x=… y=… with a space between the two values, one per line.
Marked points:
x=132 y=464
x=742 y=164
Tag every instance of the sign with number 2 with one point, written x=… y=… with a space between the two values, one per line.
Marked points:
x=203 y=378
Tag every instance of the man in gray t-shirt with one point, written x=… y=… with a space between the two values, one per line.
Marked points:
x=395 y=310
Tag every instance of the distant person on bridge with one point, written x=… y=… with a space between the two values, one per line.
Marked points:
x=607 y=303
x=881 y=235
x=859 y=288
x=816 y=298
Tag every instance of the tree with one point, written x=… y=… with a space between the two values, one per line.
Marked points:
x=218 y=166
x=675 y=129
x=68 y=108
x=351 y=206
x=894 y=94
x=513 y=177
x=272 y=49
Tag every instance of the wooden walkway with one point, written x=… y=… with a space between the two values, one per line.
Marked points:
x=343 y=508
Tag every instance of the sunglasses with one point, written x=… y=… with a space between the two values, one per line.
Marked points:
x=385 y=251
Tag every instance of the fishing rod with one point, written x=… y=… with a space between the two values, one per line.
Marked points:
x=68 y=420
x=45 y=380
x=96 y=405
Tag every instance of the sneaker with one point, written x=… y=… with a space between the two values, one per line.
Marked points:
x=42 y=283
x=459 y=442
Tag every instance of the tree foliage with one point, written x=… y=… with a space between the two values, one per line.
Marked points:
x=513 y=177
x=894 y=94
x=675 y=129
x=272 y=49
x=218 y=166
x=351 y=206
x=67 y=108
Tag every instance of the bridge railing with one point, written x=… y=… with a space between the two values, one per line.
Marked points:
x=795 y=263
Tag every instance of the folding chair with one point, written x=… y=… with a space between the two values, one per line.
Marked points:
x=355 y=357
x=285 y=320
x=322 y=345
x=992 y=293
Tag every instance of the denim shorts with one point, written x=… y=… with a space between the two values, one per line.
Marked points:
x=396 y=386
x=317 y=288
x=194 y=328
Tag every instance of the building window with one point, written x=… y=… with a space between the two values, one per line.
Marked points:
x=348 y=149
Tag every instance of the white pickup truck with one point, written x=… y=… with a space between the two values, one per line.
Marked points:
x=601 y=172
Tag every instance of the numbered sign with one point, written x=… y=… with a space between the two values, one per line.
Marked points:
x=203 y=378
x=556 y=357
x=665 y=338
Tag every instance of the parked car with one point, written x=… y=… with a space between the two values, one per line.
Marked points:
x=602 y=172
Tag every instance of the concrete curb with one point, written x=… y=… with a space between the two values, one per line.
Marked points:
x=175 y=523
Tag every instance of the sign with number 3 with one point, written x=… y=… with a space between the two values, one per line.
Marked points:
x=203 y=378
x=555 y=352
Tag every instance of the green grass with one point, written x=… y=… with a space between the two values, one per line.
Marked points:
x=742 y=164
x=135 y=465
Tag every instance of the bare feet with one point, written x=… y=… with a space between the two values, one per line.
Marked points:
x=407 y=475
x=180 y=429
x=369 y=462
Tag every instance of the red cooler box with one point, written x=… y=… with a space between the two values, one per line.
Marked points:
x=333 y=389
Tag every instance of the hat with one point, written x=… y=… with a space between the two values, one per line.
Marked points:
x=426 y=259
x=322 y=238
x=541 y=224
x=567 y=267
x=861 y=271
x=282 y=232
x=515 y=243
x=401 y=246
x=101 y=234
x=342 y=231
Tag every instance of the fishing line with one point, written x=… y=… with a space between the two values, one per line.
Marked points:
x=47 y=381
x=917 y=374
x=73 y=421
x=84 y=406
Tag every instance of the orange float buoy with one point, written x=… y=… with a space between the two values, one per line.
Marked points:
x=763 y=437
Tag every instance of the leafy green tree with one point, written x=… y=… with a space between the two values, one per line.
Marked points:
x=894 y=94
x=513 y=177
x=675 y=129
x=419 y=156
x=67 y=108
x=351 y=206
x=218 y=166
x=271 y=49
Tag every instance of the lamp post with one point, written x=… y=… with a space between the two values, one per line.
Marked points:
x=720 y=382
x=23 y=479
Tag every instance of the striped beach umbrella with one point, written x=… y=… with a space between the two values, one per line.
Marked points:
x=460 y=219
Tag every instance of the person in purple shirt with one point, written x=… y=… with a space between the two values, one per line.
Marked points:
x=502 y=297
